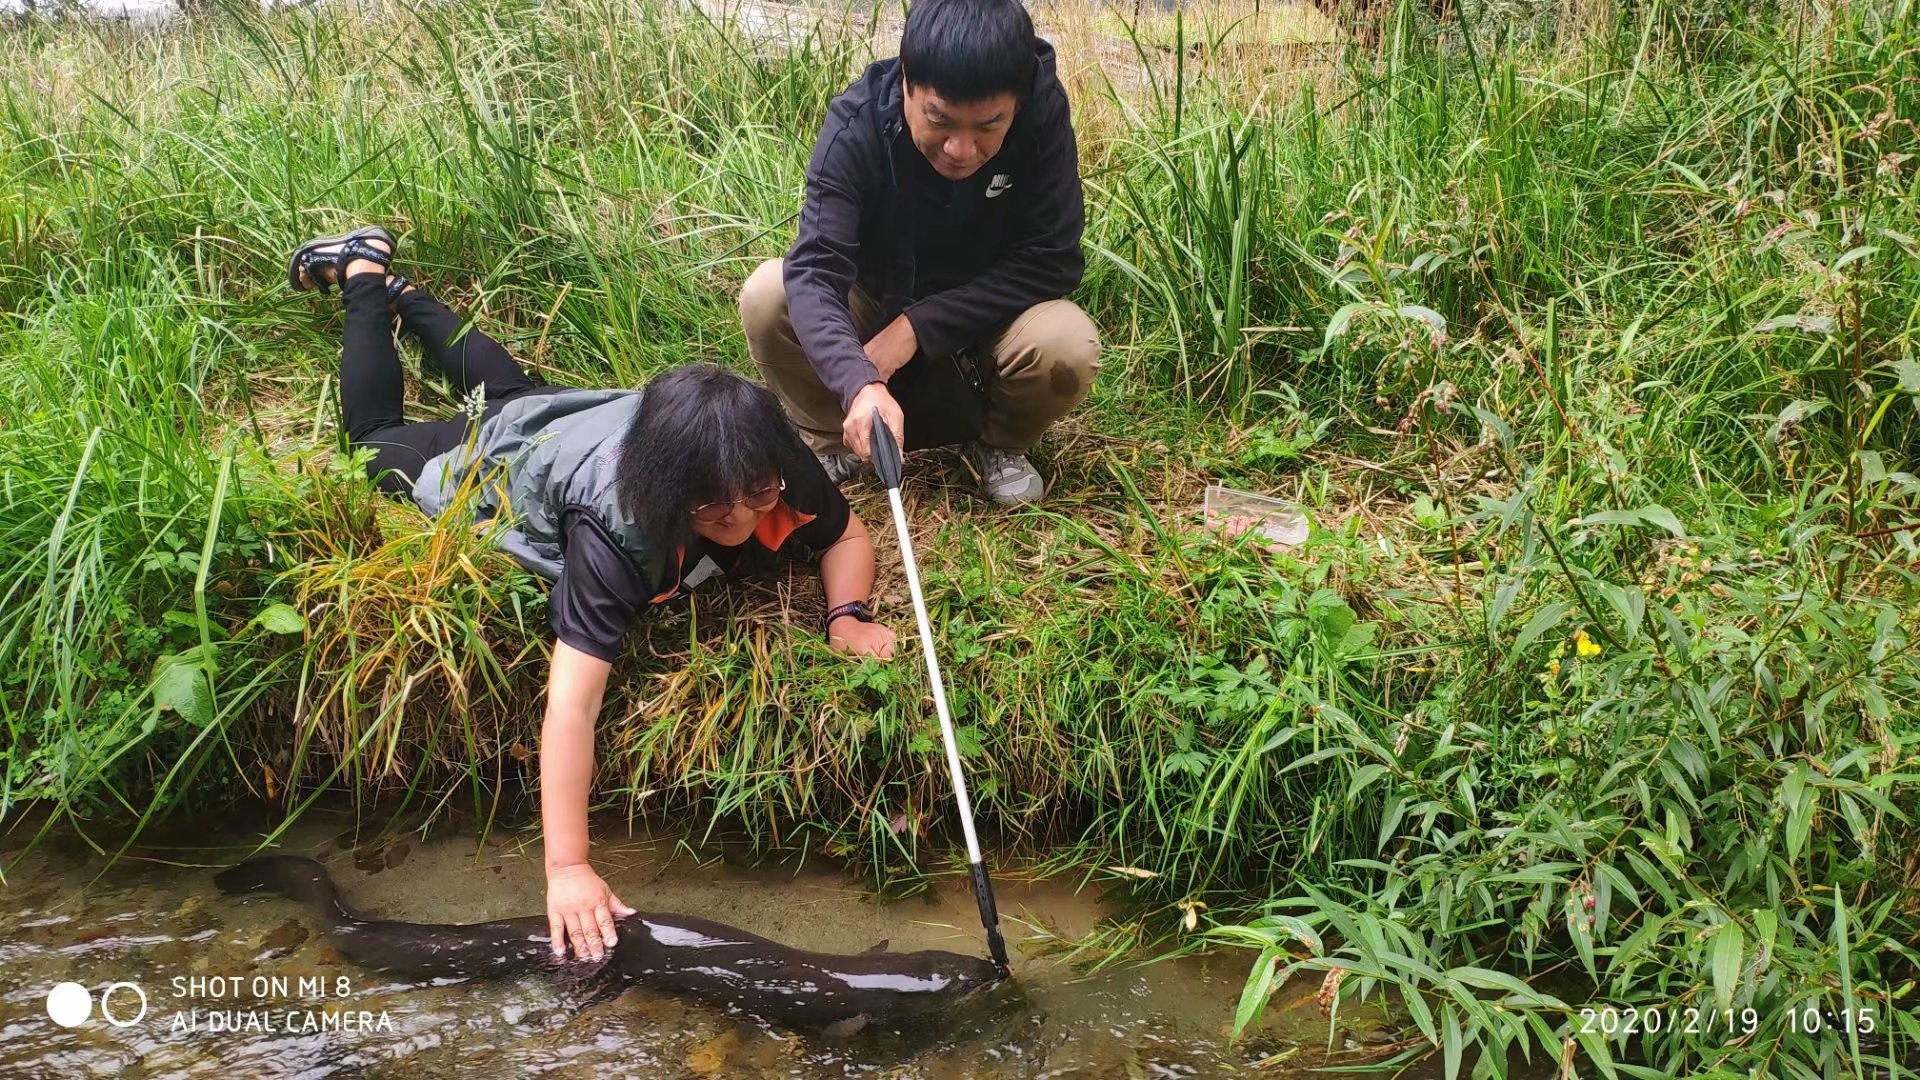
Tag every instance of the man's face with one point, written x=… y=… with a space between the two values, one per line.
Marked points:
x=957 y=138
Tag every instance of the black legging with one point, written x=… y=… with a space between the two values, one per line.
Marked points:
x=371 y=390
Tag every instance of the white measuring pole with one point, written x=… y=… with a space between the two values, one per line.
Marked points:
x=933 y=675
x=886 y=462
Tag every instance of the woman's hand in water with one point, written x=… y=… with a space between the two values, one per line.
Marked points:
x=856 y=638
x=580 y=912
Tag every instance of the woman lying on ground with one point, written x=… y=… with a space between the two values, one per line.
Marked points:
x=622 y=498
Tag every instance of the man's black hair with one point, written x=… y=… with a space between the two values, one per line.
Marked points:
x=968 y=50
x=702 y=433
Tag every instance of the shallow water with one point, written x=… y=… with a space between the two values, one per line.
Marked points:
x=273 y=1000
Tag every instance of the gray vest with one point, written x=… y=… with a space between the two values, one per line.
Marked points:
x=539 y=455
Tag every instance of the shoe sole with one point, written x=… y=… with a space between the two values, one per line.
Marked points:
x=1017 y=500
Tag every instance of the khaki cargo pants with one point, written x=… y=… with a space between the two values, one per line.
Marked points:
x=1046 y=362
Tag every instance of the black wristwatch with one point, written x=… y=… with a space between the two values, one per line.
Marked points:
x=856 y=608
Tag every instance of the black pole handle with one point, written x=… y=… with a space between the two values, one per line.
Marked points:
x=886 y=452
x=990 y=918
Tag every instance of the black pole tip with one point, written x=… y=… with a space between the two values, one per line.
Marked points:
x=997 y=950
x=990 y=918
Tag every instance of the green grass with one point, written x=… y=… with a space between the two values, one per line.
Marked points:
x=1605 y=342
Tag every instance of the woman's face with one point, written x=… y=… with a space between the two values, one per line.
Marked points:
x=743 y=515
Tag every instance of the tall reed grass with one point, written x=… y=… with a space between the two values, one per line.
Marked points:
x=1593 y=357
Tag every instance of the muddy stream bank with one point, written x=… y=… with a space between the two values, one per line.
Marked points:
x=248 y=988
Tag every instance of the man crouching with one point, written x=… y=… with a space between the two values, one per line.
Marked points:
x=940 y=233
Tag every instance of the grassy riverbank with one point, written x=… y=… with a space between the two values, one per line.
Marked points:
x=1593 y=359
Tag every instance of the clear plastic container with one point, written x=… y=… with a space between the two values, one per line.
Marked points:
x=1280 y=524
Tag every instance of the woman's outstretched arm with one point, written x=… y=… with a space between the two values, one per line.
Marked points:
x=580 y=906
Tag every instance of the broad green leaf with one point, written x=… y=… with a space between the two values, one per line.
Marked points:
x=180 y=684
x=1729 y=948
x=1390 y=821
x=1452 y=1041
x=282 y=619
x=1651 y=514
x=1872 y=468
x=1854 y=255
x=1599 y=1051
x=1628 y=602
x=1663 y=517
x=1501 y=429
x=1296 y=927
x=966 y=738
x=1434 y=320
x=1364 y=776
x=1806 y=324
x=1486 y=979
x=1543 y=620
x=1799 y=800
x=1792 y=416
x=1908 y=372
x=1253 y=997
x=1337 y=325
x=1766 y=925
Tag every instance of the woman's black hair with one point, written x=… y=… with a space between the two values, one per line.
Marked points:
x=702 y=433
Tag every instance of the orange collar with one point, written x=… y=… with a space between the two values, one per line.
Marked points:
x=778 y=525
x=773 y=531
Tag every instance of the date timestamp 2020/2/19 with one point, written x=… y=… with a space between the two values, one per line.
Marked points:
x=1612 y=1021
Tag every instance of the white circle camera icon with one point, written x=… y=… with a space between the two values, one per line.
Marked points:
x=70 y=1003
x=107 y=994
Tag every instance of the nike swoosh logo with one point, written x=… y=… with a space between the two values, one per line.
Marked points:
x=999 y=185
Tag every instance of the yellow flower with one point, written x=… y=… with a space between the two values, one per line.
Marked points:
x=1586 y=646
x=1553 y=666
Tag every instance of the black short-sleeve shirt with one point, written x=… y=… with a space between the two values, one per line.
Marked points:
x=600 y=592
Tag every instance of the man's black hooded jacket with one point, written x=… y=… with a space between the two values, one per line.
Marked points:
x=962 y=258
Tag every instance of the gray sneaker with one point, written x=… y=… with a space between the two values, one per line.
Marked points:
x=1006 y=476
x=843 y=466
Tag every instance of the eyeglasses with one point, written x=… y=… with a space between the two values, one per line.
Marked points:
x=718 y=510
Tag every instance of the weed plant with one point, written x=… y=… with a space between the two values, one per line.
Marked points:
x=1591 y=351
